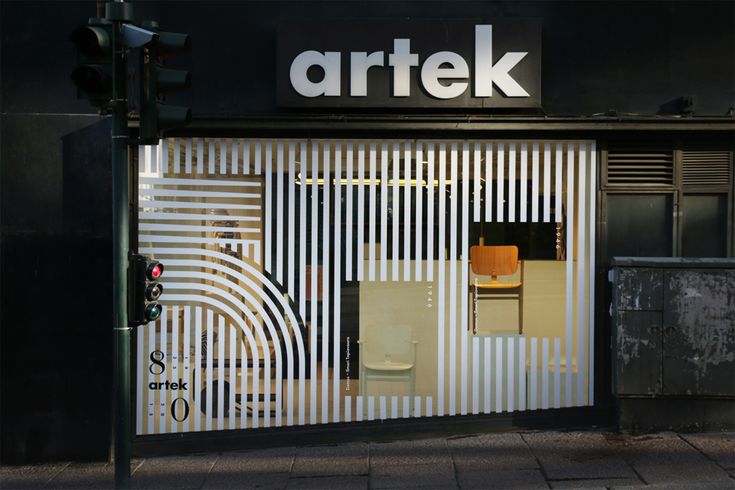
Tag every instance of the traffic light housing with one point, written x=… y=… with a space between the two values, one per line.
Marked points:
x=144 y=290
x=93 y=75
x=156 y=81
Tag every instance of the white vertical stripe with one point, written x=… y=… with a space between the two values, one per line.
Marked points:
x=372 y=211
x=521 y=373
x=581 y=280
x=396 y=209
x=383 y=414
x=429 y=406
x=210 y=371
x=223 y=155
x=302 y=237
x=200 y=155
x=314 y=327
x=142 y=358
x=384 y=211
x=547 y=182
x=464 y=285
x=235 y=154
x=441 y=298
x=498 y=374
x=359 y=408
x=558 y=212
x=279 y=212
x=417 y=406
x=394 y=407
x=162 y=324
x=348 y=408
x=453 y=255
x=152 y=408
x=534 y=373
x=475 y=375
x=143 y=160
x=430 y=214
x=511 y=373
x=336 y=361
x=291 y=218
x=360 y=212
x=569 y=224
x=349 y=248
x=557 y=372
x=545 y=373
x=177 y=155
x=268 y=206
x=175 y=360
x=419 y=209
x=593 y=230
x=499 y=210
x=524 y=182
x=407 y=211
x=153 y=156
x=258 y=164
x=244 y=371
x=512 y=183
x=188 y=156
x=476 y=183
x=163 y=158
x=187 y=363
x=534 y=183
x=197 y=367
x=221 y=340
x=211 y=154
x=246 y=157
x=488 y=181
x=406 y=407
x=325 y=281
x=371 y=407
x=486 y=373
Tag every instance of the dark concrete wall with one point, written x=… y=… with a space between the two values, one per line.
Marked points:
x=54 y=178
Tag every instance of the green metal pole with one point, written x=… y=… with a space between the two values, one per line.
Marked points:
x=120 y=249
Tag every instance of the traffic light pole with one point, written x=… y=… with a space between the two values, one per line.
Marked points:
x=121 y=246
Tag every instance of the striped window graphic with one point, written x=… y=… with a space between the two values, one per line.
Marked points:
x=316 y=281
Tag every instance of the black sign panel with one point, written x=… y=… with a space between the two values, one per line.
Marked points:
x=409 y=63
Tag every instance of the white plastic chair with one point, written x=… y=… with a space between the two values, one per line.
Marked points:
x=389 y=354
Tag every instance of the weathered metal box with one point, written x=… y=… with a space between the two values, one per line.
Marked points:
x=673 y=327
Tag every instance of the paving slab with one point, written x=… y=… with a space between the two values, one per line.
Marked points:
x=84 y=475
x=426 y=451
x=241 y=480
x=665 y=458
x=577 y=456
x=719 y=447
x=502 y=479
x=597 y=483
x=507 y=451
x=334 y=460
x=29 y=476
x=266 y=461
x=174 y=472
x=413 y=475
x=343 y=482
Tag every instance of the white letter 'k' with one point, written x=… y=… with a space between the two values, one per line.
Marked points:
x=487 y=74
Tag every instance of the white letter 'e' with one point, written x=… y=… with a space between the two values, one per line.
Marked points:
x=329 y=85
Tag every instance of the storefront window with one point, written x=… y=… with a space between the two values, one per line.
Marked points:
x=320 y=281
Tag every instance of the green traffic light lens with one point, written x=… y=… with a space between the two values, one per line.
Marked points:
x=152 y=312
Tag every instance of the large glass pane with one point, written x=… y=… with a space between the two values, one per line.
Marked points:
x=705 y=225
x=639 y=225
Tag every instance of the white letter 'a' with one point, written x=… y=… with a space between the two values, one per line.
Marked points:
x=329 y=85
x=486 y=74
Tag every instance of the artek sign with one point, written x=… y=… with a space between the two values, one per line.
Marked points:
x=422 y=64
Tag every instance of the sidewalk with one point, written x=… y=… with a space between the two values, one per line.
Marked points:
x=517 y=460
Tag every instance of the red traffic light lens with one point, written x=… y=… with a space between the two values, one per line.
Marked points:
x=154 y=270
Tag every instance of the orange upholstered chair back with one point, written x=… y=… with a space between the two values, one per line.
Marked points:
x=494 y=261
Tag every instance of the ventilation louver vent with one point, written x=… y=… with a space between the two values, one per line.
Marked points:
x=705 y=167
x=640 y=165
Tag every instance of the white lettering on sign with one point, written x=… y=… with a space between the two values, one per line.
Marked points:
x=443 y=65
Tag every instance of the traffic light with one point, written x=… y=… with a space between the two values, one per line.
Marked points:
x=144 y=290
x=93 y=75
x=156 y=81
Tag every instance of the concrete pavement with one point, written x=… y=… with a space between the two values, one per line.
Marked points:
x=518 y=460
